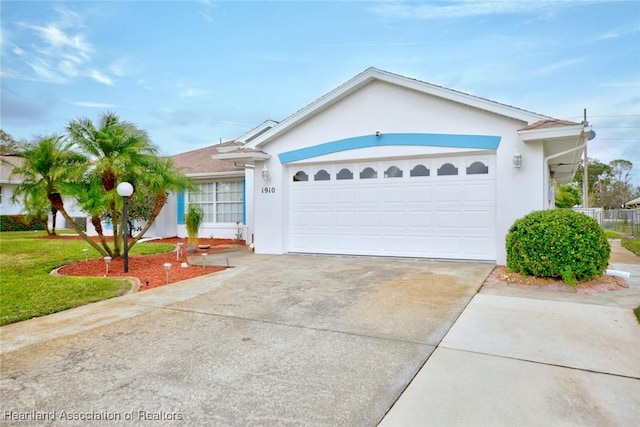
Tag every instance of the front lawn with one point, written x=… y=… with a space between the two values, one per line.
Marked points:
x=27 y=288
x=632 y=244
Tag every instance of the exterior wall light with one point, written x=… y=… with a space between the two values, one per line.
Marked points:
x=265 y=173
x=517 y=160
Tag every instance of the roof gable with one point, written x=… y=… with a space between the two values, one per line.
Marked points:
x=372 y=74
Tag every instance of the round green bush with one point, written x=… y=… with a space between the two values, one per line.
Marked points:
x=558 y=243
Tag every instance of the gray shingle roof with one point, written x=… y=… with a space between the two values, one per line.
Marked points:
x=199 y=161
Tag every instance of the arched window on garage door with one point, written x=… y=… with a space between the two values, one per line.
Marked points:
x=447 y=169
x=419 y=170
x=477 y=168
x=393 y=172
x=344 y=174
x=322 y=175
x=368 y=173
x=300 y=176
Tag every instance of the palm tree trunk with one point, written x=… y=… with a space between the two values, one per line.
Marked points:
x=97 y=224
x=116 y=231
x=54 y=214
x=157 y=207
x=57 y=202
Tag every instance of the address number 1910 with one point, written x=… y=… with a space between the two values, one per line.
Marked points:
x=268 y=190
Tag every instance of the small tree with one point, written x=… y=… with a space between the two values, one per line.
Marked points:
x=193 y=221
x=568 y=196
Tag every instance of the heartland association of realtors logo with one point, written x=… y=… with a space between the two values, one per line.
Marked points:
x=136 y=415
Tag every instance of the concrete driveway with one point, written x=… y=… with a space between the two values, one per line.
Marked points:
x=277 y=340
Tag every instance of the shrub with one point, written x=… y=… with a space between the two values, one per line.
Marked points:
x=193 y=220
x=558 y=243
x=22 y=223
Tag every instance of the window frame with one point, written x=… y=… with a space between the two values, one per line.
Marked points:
x=212 y=200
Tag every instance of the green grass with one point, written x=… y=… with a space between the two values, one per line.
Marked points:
x=632 y=244
x=613 y=234
x=637 y=312
x=28 y=290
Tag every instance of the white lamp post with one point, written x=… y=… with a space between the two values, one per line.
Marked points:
x=125 y=190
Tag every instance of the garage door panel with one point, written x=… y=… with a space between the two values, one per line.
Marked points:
x=447 y=245
x=393 y=193
x=448 y=219
x=447 y=193
x=479 y=193
x=475 y=248
x=368 y=194
x=323 y=241
x=370 y=242
x=368 y=219
x=346 y=219
x=426 y=216
x=323 y=196
x=345 y=195
x=393 y=219
x=322 y=219
x=420 y=192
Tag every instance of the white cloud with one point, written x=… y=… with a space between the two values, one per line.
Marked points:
x=44 y=70
x=59 y=52
x=61 y=41
x=101 y=78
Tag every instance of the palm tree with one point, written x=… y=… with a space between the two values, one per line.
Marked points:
x=117 y=150
x=48 y=170
x=92 y=199
x=161 y=178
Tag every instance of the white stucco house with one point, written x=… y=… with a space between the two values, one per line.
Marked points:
x=383 y=165
x=387 y=165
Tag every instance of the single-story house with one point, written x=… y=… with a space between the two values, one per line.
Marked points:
x=383 y=165
x=387 y=165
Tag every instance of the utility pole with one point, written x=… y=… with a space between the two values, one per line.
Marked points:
x=585 y=165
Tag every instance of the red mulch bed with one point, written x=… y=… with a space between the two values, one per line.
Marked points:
x=148 y=269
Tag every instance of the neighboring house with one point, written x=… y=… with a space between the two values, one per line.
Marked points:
x=633 y=204
x=387 y=165
x=8 y=183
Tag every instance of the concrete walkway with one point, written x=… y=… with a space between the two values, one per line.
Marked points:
x=534 y=358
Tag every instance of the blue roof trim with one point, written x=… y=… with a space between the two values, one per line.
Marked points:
x=485 y=142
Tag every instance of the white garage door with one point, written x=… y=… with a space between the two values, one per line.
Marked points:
x=428 y=208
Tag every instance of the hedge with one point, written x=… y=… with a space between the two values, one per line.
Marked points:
x=22 y=223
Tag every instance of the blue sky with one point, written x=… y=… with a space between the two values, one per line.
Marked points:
x=192 y=73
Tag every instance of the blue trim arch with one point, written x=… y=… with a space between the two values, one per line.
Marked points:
x=485 y=142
